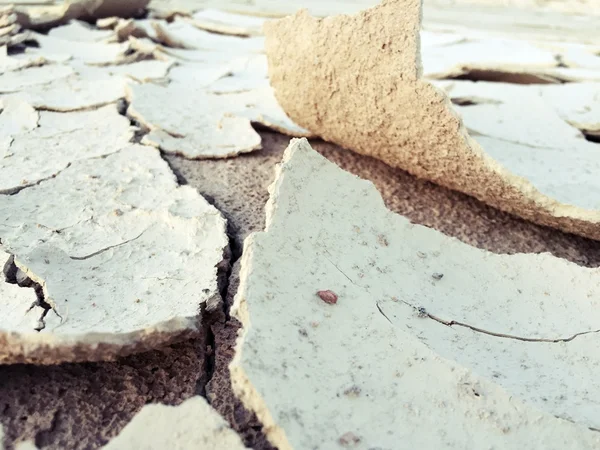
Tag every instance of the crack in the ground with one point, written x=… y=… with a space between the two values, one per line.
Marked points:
x=14 y=275
x=102 y=250
x=422 y=312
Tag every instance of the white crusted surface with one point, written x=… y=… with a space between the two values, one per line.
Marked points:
x=228 y=23
x=527 y=130
x=66 y=138
x=197 y=124
x=78 y=30
x=372 y=361
x=76 y=93
x=122 y=252
x=203 y=125
x=457 y=58
x=183 y=34
x=88 y=52
x=193 y=424
x=20 y=79
x=16 y=117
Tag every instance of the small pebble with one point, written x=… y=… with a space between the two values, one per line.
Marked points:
x=438 y=276
x=328 y=297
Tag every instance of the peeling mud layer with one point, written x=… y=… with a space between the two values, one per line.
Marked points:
x=395 y=115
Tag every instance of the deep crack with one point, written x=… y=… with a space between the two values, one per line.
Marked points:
x=14 y=275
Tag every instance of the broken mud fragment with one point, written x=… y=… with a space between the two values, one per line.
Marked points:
x=182 y=34
x=408 y=343
x=396 y=116
x=204 y=125
x=127 y=232
x=193 y=424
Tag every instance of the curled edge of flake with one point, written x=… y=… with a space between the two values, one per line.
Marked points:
x=439 y=401
x=401 y=119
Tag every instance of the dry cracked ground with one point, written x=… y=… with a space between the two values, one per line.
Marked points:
x=378 y=230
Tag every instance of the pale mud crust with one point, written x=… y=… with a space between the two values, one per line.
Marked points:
x=397 y=116
x=82 y=406
x=380 y=332
x=238 y=188
x=112 y=289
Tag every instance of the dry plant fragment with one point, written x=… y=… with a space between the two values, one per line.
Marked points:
x=101 y=234
x=396 y=116
x=193 y=424
x=535 y=318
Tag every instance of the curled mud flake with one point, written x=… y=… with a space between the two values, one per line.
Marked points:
x=381 y=240
x=349 y=439
x=437 y=276
x=328 y=297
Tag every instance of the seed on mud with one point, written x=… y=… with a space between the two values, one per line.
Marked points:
x=328 y=297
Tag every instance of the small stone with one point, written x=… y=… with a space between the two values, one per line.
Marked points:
x=328 y=297
x=437 y=276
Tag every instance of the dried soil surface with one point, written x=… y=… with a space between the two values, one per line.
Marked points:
x=83 y=405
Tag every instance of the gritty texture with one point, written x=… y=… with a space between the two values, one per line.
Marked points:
x=82 y=406
x=193 y=424
x=392 y=302
x=393 y=114
x=129 y=212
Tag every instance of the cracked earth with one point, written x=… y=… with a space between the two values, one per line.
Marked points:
x=165 y=228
